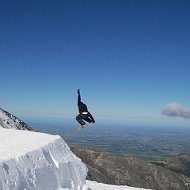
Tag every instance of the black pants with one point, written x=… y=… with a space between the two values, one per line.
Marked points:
x=83 y=117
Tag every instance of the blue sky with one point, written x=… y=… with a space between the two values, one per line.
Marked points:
x=130 y=58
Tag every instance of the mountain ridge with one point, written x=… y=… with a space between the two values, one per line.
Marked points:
x=179 y=164
x=9 y=121
x=123 y=170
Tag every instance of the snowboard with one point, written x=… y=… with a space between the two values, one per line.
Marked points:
x=84 y=126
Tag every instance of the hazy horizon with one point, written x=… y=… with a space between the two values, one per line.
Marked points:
x=147 y=142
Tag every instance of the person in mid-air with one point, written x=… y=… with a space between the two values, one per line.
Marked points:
x=84 y=114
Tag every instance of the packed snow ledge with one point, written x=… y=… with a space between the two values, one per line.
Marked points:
x=38 y=161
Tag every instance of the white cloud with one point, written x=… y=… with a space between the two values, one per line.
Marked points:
x=176 y=110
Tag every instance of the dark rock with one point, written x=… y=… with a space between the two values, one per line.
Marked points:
x=179 y=164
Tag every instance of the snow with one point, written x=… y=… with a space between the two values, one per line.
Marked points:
x=10 y=121
x=5 y=121
x=38 y=161
x=99 y=186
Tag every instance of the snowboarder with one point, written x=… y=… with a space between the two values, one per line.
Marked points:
x=84 y=114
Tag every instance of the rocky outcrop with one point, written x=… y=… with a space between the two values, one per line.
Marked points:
x=107 y=168
x=179 y=164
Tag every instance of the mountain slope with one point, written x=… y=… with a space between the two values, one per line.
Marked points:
x=179 y=164
x=107 y=168
x=10 y=121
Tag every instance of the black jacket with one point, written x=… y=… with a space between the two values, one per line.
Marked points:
x=81 y=106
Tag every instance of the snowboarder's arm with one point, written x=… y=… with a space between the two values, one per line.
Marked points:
x=79 y=97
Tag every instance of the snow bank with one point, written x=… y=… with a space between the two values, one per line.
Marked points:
x=37 y=161
x=99 y=186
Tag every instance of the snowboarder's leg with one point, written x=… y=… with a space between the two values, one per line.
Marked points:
x=80 y=119
x=88 y=119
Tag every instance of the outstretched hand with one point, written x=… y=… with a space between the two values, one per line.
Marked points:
x=78 y=91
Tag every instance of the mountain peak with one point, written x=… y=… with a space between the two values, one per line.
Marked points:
x=9 y=121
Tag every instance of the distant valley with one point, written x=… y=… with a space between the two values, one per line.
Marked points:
x=150 y=143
